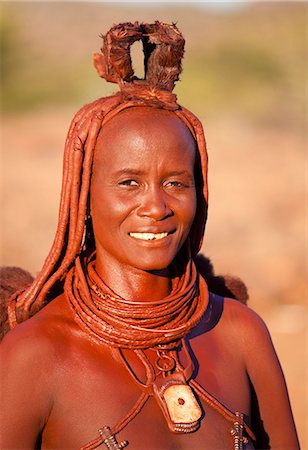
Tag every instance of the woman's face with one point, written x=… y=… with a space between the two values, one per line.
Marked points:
x=143 y=197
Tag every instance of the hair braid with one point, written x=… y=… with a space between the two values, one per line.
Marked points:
x=75 y=188
x=26 y=299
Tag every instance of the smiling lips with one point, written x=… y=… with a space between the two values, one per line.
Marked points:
x=149 y=236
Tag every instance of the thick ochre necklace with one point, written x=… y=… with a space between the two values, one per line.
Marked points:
x=136 y=325
x=159 y=326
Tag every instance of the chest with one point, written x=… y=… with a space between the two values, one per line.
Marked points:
x=97 y=390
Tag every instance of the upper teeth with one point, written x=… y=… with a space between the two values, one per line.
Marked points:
x=148 y=236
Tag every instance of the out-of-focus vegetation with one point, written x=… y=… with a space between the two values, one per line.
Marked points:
x=253 y=68
x=31 y=76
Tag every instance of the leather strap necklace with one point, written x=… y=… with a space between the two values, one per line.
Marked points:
x=159 y=326
x=136 y=325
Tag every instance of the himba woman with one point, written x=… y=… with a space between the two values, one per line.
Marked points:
x=118 y=341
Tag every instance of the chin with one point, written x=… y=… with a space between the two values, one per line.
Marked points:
x=151 y=265
x=152 y=260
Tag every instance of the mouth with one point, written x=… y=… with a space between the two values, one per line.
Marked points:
x=149 y=236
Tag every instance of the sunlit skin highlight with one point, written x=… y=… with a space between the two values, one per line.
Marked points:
x=143 y=199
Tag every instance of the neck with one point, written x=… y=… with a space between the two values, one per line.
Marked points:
x=131 y=283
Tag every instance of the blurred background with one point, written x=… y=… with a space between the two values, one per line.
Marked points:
x=244 y=75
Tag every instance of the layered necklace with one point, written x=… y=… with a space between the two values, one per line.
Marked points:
x=159 y=326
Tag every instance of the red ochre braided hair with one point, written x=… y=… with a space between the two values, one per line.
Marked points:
x=163 y=47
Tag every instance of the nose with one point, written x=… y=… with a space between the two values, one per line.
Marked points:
x=154 y=204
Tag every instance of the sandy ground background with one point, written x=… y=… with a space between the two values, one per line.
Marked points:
x=256 y=134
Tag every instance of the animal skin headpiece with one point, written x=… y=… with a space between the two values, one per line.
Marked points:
x=163 y=47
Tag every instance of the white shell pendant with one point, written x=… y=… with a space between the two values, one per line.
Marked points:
x=182 y=404
x=178 y=404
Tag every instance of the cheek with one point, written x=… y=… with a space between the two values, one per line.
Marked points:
x=108 y=209
x=187 y=211
x=101 y=207
x=192 y=207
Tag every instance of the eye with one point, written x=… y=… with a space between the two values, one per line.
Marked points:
x=175 y=184
x=128 y=182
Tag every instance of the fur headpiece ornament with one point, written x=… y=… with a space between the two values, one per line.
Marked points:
x=163 y=47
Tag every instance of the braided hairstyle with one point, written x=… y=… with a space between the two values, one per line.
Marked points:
x=163 y=47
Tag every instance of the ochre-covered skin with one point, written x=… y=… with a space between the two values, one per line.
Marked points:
x=142 y=182
x=59 y=383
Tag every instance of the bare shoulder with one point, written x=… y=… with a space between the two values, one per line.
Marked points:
x=35 y=342
x=249 y=326
x=264 y=372
x=252 y=335
x=28 y=368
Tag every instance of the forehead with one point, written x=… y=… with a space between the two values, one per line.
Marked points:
x=140 y=133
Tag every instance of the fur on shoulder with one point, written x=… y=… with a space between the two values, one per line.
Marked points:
x=224 y=285
x=12 y=279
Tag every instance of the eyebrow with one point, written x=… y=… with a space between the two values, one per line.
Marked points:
x=128 y=171
x=131 y=171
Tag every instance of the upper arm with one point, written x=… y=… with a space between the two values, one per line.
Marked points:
x=268 y=383
x=25 y=390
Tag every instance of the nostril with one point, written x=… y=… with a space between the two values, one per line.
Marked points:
x=154 y=206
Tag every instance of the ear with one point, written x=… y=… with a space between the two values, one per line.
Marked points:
x=99 y=64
